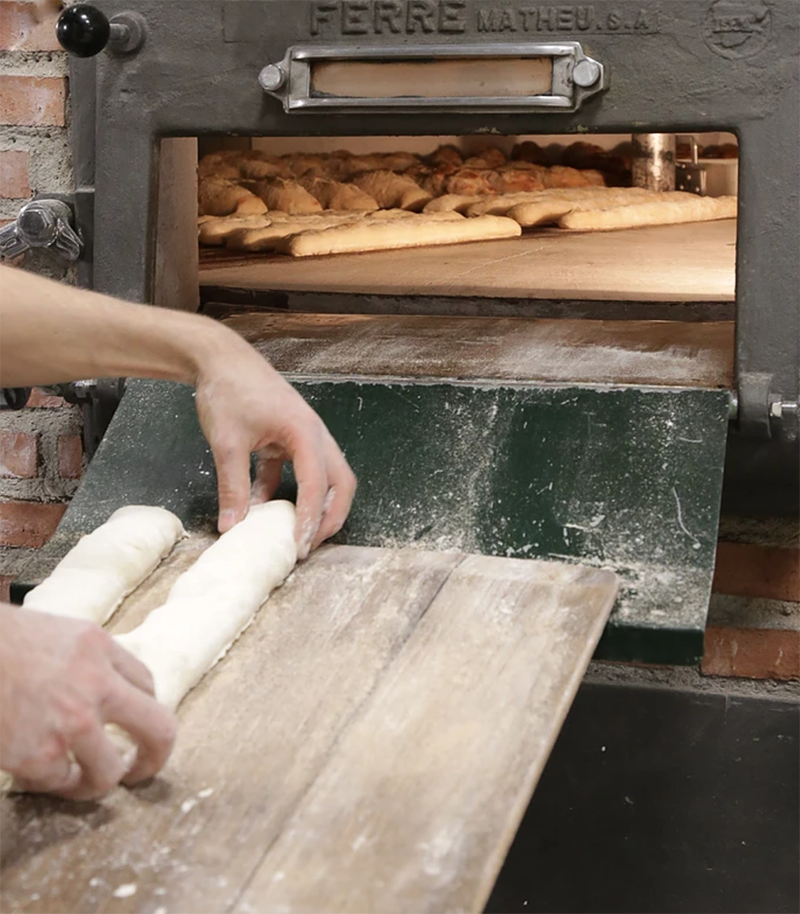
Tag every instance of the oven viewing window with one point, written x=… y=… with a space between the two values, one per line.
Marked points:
x=526 y=226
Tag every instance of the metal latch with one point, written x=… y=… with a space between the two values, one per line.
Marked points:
x=691 y=176
x=44 y=223
x=552 y=76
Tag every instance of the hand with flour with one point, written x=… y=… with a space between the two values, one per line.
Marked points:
x=61 y=681
x=54 y=333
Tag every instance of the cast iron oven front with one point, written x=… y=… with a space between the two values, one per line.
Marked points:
x=670 y=66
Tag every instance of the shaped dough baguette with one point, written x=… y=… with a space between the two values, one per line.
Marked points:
x=213 y=602
x=214 y=232
x=392 y=191
x=399 y=233
x=660 y=212
x=456 y=203
x=268 y=238
x=96 y=575
x=551 y=207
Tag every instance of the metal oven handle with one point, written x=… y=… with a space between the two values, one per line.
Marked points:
x=574 y=78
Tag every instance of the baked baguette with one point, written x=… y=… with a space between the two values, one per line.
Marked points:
x=400 y=233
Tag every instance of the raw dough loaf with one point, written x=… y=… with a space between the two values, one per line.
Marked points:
x=214 y=231
x=452 y=203
x=550 y=208
x=268 y=238
x=96 y=575
x=376 y=235
x=212 y=603
x=682 y=208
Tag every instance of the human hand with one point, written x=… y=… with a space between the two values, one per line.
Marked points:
x=61 y=681
x=245 y=406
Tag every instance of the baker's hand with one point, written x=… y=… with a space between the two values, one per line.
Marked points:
x=245 y=406
x=61 y=680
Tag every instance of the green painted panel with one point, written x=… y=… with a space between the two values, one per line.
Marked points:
x=627 y=478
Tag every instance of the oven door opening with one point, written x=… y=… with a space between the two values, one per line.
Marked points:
x=615 y=256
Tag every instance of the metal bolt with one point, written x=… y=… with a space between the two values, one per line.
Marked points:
x=585 y=73
x=776 y=409
x=271 y=78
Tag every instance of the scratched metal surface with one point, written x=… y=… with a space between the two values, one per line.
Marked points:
x=625 y=478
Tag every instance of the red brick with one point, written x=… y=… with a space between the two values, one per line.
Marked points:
x=5 y=586
x=14 y=181
x=28 y=26
x=40 y=400
x=31 y=101
x=19 y=455
x=24 y=523
x=751 y=653
x=70 y=456
x=745 y=570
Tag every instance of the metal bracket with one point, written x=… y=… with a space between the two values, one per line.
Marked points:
x=46 y=222
x=572 y=79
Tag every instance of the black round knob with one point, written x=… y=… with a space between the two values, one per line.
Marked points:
x=83 y=30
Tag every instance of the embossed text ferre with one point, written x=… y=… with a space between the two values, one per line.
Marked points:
x=332 y=18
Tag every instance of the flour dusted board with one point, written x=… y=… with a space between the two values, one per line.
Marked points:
x=476 y=652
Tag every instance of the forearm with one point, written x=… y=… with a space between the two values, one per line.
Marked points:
x=51 y=333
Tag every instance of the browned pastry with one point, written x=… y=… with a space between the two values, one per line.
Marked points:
x=288 y=196
x=564 y=176
x=529 y=152
x=221 y=197
x=582 y=155
x=522 y=179
x=258 y=169
x=300 y=163
x=399 y=161
x=491 y=157
x=215 y=165
x=335 y=195
x=392 y=191
x=430 y=179
x=357 y=165
x=446 y=155
x=471 y=182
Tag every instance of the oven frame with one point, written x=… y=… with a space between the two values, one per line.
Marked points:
x=197 y=73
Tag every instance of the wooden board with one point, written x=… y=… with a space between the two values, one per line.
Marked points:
x=370 y=743
x=519 y=350
x=662 y=263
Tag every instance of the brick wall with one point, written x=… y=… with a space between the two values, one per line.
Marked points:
x=41 y=457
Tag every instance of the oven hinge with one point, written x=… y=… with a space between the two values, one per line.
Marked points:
x=760 y=411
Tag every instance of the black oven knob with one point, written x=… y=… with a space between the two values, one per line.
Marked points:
x=84 y=31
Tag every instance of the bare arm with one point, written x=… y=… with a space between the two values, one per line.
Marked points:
x=62 y=680
x=52 y=333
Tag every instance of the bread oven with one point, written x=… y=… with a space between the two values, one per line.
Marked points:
x=524 y=389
